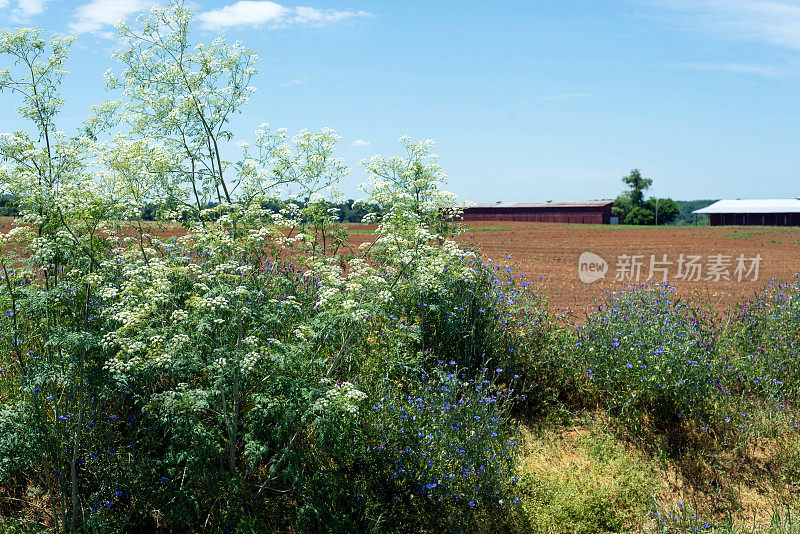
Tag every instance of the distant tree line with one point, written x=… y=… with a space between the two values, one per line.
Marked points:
x=685 y=216
x=630 y=207
x=9 y=206
x=349 y=211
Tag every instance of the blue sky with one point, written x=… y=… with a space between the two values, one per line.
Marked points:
x=526 y=100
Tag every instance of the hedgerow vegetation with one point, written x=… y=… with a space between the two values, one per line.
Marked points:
x=258 y=373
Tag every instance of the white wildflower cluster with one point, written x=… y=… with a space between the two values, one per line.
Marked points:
x=212 y=303
x=108 y=292
x=355 y=292
x=145 y=286
x=218 y=365
x=426 y=259
x=109 y=340
x=137 y=304
x=44 y=250
x=307 y=160
x=370 y=218
x=179 y=340
x=410 y=184
x=331 y=281
x=262 y=234
x=291 y=241
x=181 y=400
x=410 y=253
x=342 y=397
x=17 y=234
x=250 y=361
x=92 y=279
x=304 y=333
x=289 y=301
x=179 y=316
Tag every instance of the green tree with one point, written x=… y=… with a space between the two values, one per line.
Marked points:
x=632 y=208
x=638 y=185
x=665 y=210
x=639 y=216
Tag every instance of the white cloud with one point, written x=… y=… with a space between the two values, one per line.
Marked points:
x=99 y=15
x=766 y=71
x=260 y=13
x=311 y=15
x=24 y=10
x=772 y=22
x=294 y=82
x=29 y=8
x=243 y=13
x=359 y=143
x=565 y=96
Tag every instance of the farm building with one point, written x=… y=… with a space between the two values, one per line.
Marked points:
x=593 y=212
x=757 y=212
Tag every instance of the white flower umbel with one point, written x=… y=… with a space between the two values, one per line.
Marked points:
x=341 y=398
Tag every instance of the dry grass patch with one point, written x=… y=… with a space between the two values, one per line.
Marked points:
x=580 y=477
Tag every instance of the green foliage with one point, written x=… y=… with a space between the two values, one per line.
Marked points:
x=256 y=373
x=9 y=206
x=638 y=215
x=643 y=353
x=678 y=381
x=765 y=339
x=425 y=453
x=683 y=518
x=632 y=208
x=664 y=210
x=638 y=185
x=685 y=209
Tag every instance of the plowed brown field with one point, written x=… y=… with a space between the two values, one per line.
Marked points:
x=551 y=251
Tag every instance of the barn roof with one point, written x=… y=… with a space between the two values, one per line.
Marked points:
x=774 y=205
x=587 y=204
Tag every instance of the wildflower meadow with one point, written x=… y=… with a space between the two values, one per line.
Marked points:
x=253 y=371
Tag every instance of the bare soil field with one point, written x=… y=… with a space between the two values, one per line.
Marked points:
x=722 y=256
x=710 y=264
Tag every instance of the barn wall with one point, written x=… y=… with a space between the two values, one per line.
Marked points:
x=574 y=218
x=572 y=215
x=755 y=219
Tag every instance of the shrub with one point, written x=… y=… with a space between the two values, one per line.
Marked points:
x=219 y=379
x=765 y=343
x=644 y=353
x=419 y=453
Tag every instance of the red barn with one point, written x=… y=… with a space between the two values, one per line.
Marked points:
x=592 y=212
